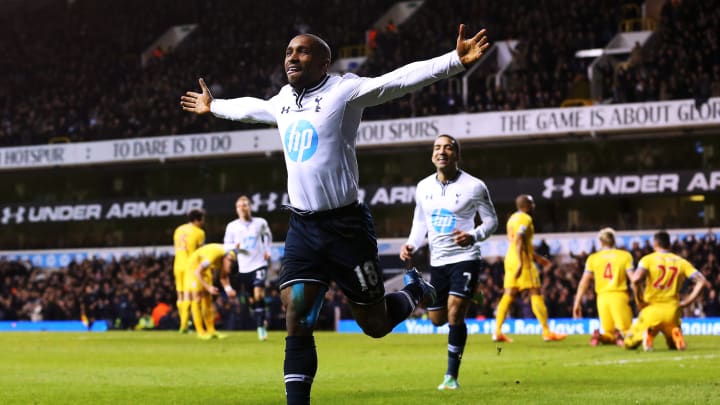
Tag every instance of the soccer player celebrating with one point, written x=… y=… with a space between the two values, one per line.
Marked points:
x=331 y=234
x=251 y=234
x=656 y=286
x=186 y=239
x=202 y=265
x=446 y=203
x=520 y=271
x=611 y=268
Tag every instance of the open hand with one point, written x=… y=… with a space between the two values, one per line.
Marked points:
x=199 y=103
x=472 y=49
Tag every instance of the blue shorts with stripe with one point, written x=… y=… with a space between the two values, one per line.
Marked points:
x=336 y=245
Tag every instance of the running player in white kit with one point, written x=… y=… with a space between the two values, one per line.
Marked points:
x=331 y=235
x=446 y=203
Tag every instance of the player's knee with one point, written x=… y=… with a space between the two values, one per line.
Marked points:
x=302 y=313
x=438 y=318
x=375 y=330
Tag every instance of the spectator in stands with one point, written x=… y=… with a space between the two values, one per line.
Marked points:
x=77 y=287
x=98 y=90
x=161 y=309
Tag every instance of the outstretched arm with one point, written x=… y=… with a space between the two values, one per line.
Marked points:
x=470 y=50
x=248 y=109
x=416 y=75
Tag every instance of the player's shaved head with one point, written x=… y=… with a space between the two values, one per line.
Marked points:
x=525 y=202
x=319 y=45
x=307 y=59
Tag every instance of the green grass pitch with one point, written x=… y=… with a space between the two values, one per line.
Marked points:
x=169 y=368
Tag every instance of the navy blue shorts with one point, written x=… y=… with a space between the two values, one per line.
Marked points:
x=457 y=279
x=337 y=245
x=248 y=281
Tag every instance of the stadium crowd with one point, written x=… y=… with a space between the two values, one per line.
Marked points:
x=98 y=89
x=138 y=292
x=684 y=63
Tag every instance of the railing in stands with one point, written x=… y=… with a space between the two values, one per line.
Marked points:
x=637 y=24
x=353 y=51
x=576 y=102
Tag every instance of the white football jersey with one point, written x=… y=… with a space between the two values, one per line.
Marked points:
x=253 y=236
x=442 y=208
x=318 y=126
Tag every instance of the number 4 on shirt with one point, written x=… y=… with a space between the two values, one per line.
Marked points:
x=608 y=272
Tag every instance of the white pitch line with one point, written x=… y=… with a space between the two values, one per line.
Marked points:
x=647 y=359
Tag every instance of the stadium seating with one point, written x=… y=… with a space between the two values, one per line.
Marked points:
x=95 y=88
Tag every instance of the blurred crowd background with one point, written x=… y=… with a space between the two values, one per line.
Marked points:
x=138 y=292
x=72 y=72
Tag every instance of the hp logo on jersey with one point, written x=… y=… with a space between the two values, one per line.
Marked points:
x=443 y=220
x=301 y=141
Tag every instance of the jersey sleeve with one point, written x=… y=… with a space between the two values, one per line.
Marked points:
x=419 y=226
x=487 y=213
x=589 y=264
x=229 y=239
x=644 y=263
x=176 y=237
x=248 y=109
x=404 y=80
x=266 y=235
x=522 y=224
x=687 y=268
x=200 y=238
x=628 y=266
